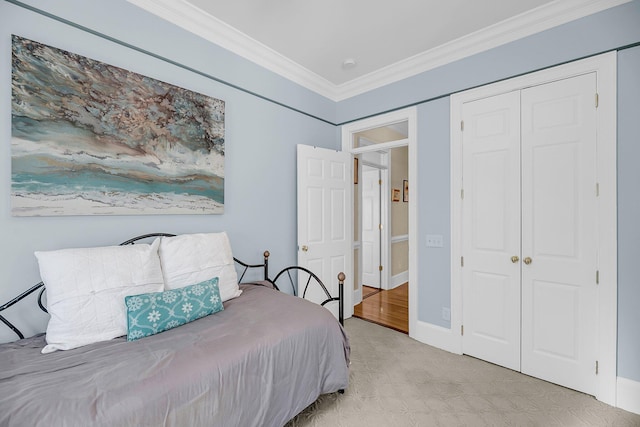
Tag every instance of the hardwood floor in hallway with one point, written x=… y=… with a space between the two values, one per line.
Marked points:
x=387 y=308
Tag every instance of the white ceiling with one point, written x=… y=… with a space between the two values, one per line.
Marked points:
x=307 y=41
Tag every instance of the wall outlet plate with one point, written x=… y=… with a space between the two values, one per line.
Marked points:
x=434 y=240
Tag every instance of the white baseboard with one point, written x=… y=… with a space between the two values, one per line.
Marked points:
x=436 y=336
x=628 y=395
x=399 y=279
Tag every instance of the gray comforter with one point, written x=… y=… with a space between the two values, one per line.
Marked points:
x=259 y=362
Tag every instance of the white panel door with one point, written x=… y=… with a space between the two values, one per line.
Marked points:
x=324 y=220
x=491 y=229
x=559 y=205
x=370 y=226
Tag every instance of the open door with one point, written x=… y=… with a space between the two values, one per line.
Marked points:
x=370 y=225
x=325 y=229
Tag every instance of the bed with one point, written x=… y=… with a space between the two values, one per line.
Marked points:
x=260 y=361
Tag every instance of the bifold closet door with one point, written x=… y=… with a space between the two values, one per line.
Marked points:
x=491 y=229
x=559 y=223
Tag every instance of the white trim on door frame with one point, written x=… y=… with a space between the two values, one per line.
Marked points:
x=605 y=67
x=409 y=115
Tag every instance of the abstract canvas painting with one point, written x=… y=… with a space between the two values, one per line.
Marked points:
x=89 y=138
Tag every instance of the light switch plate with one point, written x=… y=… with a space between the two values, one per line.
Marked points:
x=434 y=240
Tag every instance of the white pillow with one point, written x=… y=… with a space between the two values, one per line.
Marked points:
x=188 y=259
x=86 y=290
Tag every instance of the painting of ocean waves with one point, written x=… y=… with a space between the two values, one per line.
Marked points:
x=89 y=138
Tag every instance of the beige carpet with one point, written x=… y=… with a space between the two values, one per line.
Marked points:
x=397 y=381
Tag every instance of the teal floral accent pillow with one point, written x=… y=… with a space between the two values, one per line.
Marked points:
x=152 y=313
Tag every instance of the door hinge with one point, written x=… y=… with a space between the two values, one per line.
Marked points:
x=597 y=99
x=379 y=182
x=462 y=125
x=596 y=367
x=380 y=226
x=597 y=277
x=462 y=193
x=461 y=261
x=597 y=189
x=462 y=330
x=379 y=268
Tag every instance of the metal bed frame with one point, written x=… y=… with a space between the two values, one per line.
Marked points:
x=244 y=267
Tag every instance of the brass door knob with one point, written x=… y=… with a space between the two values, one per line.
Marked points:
x=527 y=260
x=305 y=248
x=515 y=259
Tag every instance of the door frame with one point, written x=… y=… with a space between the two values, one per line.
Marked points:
x=409 y=115
x=605 y=66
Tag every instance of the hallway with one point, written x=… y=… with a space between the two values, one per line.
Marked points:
x=387 y=308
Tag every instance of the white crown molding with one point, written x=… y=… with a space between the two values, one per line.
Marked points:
x=195 y=20
x=542 y=18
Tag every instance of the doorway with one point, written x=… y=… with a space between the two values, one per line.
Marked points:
x=377 y=144
x=383 y=280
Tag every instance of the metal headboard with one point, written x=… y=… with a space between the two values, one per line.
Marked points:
x=40 y=285
x=19 y=298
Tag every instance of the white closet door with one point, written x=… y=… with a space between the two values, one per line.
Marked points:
x=559 y=224
x=491 y=229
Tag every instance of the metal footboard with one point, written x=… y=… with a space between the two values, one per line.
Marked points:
x=295 y=273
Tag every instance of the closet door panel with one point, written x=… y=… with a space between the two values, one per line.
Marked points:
x=491 y=226
x=559 y=232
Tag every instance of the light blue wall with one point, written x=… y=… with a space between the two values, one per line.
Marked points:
x=261 y=138
x=434 y=211
x=611 y=29
x=260 y=181
x=593 y=34
x=125 y=22
x=629 y=213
